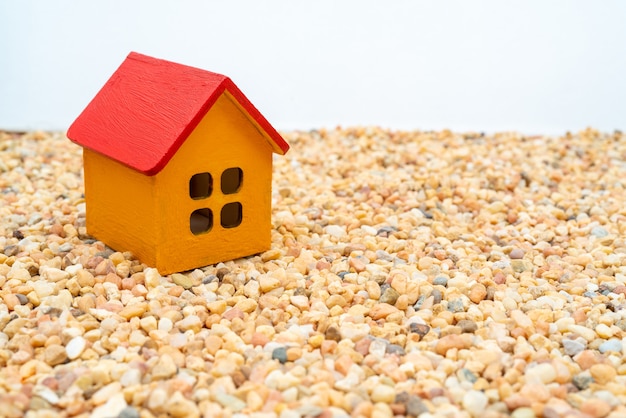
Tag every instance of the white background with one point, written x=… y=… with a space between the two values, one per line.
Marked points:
x=534 y=66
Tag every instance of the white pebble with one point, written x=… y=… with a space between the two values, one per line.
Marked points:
x=75 y=347
x=475 y=402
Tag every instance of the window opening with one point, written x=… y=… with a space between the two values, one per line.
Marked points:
x=201 y=221
x=231 y=215
x=231 y=180
x=200 y=186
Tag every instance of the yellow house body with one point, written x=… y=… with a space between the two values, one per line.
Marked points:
x=206 y=200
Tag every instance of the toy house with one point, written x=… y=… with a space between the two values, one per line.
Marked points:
x=177 y=165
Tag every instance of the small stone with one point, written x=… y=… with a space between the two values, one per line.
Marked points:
x=178 y=406
x=467 y=326
x=516 y=254
x=449 y=342
x=604 y=331
x=259 y=338
x=182 y=280
x=415 y=406
x=336 y=300
x=152 y=278
x=419 y=329
x=440 y=281
x=520 y=266
x=456 y=305
x=383 y=393
x=52 y=274
x=390 y=296
x=55 y=354
x=382 y=310
x=115 y=404
x=164 y=368
x=10 y=301
x=335 y=231
x=270 y=255
x=599 y=232
x=106 y=393
x=595 y=408
x=523 y=412
x=395 y=349
x=280 y=354
x=611 y=345
x=475 y=402
x=75 y=347
x=573 y=347
x=602 y=373
x=582 y=380
x=477 y=293
x=541 y=373
x=332 y=333
x=229 y=402
x=190 y=323
x=134 y=310
x=129 y=412
x=268 y=283
x=148 y=323
x=587 y=358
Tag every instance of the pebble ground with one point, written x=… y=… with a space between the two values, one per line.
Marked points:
x=417 y=274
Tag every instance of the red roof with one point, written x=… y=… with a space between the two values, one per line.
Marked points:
x=148 y=108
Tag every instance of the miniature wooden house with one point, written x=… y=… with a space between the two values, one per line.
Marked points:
x=177 y=165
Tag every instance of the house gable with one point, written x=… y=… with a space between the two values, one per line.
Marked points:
x=148 y=108
x=221 y=146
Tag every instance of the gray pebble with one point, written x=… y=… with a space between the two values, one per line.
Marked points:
x=611 y=345
x=467 y=375
x=582 y=380
x=437 y=296
x=419 y=329
x=441 y=281
x=415 y=406
x=22 y=298
x=573 y=347
x=280 y=354
x=467 y=326
x=395 y=349
x=456 y=305
x=129 y=412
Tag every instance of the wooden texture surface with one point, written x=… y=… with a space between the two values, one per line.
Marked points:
x=152 y=128
x=148 y=108
x=150 y=215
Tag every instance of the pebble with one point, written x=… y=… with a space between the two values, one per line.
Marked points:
x=182 y=280
x=55 y=354
x=611 y=345
x=467 y=326
x=388 y=291
x=390 y=296
x=573 y=347
x=602 y=373
x=383 y=393
x=280 y=354
x=164 y=368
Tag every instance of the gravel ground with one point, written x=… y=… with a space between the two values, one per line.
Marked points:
x=419 y=274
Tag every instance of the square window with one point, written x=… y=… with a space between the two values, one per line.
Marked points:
x=201 y=221
x=200 y=186
x=231 y=215
x=231 y=180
